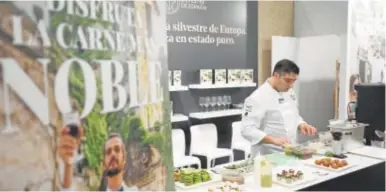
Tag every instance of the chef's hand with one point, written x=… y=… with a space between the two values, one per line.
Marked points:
x=280 y=141
x=307 y=129
x=67 y=144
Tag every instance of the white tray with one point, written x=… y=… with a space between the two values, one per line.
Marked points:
x=311 y=162
x=215 y=178
x=221 y=170
x=374 y=152
x=307 y=176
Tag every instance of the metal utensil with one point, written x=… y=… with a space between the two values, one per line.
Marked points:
x=380 y=134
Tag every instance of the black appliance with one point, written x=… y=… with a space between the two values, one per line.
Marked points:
x=371 y=109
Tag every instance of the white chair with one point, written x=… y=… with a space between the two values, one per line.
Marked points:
x=204 y=143
x=238 y=141
x=179 y=157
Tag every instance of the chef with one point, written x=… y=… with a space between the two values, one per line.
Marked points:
x=271 y=117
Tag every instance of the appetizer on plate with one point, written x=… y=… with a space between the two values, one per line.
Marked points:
x=241 y=167
x=191 y=176
x=290 y=175
x=332 y=163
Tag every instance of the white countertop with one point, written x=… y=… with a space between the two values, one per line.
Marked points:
x=373 y=152
x=178 y=118
x=214 y=114
x=360 y=161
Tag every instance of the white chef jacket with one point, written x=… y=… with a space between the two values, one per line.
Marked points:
x=267 y=111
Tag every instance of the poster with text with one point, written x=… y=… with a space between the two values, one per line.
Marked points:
x=84 y=96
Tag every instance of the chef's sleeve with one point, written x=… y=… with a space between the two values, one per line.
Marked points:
x=253 y=113
x=300 y=119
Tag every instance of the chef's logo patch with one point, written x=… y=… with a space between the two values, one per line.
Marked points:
x=281 y=100
x=293 y=97
x=248 y=109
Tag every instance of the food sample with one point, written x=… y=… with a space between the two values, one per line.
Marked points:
x=176 y=175
x=289 y=149
x=290 y=175
x=331 y=163
x=191 y=176
x=329 y=154
x=301 y=152
x=226 y=187
x=242 y=167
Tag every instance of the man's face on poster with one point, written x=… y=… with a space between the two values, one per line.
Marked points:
x=114 y=157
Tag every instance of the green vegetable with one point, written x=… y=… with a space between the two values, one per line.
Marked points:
x=191 y=176
x=329 y=154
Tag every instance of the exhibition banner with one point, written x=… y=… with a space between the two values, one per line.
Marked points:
x=366 y=48
x=84 y=96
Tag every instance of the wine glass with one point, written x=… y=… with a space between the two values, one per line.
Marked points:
x=213 y=103
x=201 y=103
x=220 y=102
x=206 y=103
x=229 y=101
x=225 y=102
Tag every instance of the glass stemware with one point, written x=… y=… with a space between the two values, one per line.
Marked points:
x=213 y=103
x=220 y=103
x=225 y=102
x=229 y=102
x=206 y=103
x=201 y=102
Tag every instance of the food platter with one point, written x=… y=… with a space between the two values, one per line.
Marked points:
x=331 y=164
x=244 y=167
x=188 y=178
x=292 y=176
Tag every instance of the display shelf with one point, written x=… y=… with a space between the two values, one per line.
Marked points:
x=178 y=88
x=214 y=114
x=220 y=86
x=178 y=118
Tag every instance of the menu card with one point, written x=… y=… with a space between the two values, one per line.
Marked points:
x=247 y=76
x=234 y=76
x=220 y=76
x=206 y=76
x=177 y=77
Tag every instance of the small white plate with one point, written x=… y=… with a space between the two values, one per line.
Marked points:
x=308 y=176
x=311 y=162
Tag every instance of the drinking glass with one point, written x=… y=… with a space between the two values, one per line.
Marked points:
x=206 y=103
x=213 y=103
x=201 y=104
x=225 y=102
x=229 y=101
x=219 y=103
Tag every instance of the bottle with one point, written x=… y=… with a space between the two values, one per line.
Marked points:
x=265 y=173
x=71 y=120
x=256 y=169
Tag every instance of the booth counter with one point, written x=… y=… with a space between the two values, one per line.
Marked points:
x=363 y=173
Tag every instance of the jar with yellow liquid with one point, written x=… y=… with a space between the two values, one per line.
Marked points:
x=265 y=173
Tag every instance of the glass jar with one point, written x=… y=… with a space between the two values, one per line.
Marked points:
x=265 y=173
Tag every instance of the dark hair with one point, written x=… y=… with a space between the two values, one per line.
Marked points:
x=111 y=136
x=286 y=66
